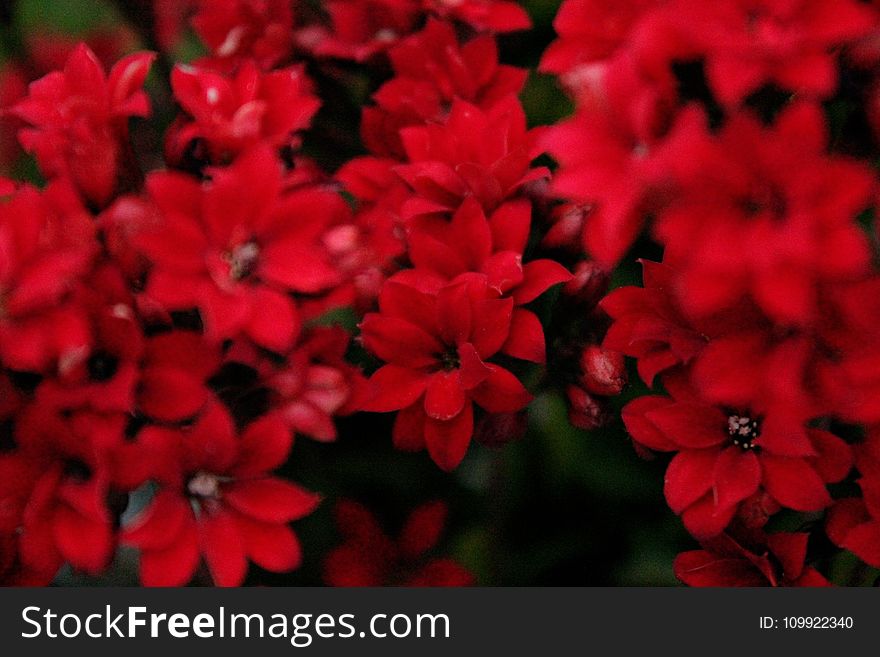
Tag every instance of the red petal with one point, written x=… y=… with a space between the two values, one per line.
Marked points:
x=264 y=446
x=501 y=392
x=221 y=544
x=168 y=394
x=737 y=475
x=526 y=338
x=271 y=546
x=274 y=321
x=539 y=276
x=444 y=397
x=398 y=341
x=705 y=520
x=448 y=442
x=86 y=543
x=270 y=499
x=690 y=425
x=794 y=484
x=174 y=565
x=689 y=477
x=393 y=387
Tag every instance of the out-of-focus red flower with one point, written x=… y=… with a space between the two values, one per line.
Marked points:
x=73 y=461
x=725 y=562
x=234 y=113
x=78 y=119
x=369 y=557
x=218 y=500
x=235 y=248
x=724 y=456
x=437 y=343
x=431 y=70
x=788 y=207
x=648 y=326
x=750 y=43
x=236 y=30
x=613 y=154
x=47 y=244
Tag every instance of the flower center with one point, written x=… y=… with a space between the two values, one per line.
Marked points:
x=205 y=486
x=242 y=260
x=743 y=430
x=450 y=360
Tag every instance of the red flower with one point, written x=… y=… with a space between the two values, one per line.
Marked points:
x=236 y=247
x=724 y=456
x=218 y=500
x=369 y=557
x=649 y=326
x=493 y=247
x=750 y=43
x=854 y=523
x=481 y=153
x=72 y=463
x=431 y=70
x=789 y=208
x=235 y=30
x=234 y=113
x=47 y=244
x=725 y=562
x=79 y=118
x=437 y=344
x=613 y=154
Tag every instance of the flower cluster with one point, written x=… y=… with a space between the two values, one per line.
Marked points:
x=450 y=171
x=160 y=333
x=710 y=125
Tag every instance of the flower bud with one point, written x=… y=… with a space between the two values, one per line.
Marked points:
x=603 y=371
x=589 y=285
x=585 y=412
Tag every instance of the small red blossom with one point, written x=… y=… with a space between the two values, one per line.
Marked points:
x=47 y=245
x=723 y=456
x=788 y=206
x=431 y=70
x=218 y=500
x=437 y=344
x=235 y=248
x=750 y=43
x=78 y=119
x=369 y=557
x=231 y=114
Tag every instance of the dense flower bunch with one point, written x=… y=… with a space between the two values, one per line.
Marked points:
x=718 y=129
